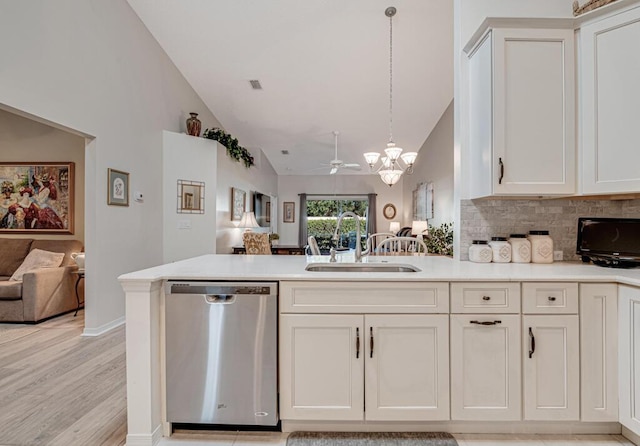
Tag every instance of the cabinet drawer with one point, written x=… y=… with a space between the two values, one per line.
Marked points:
x=552 y=297
x=485 y=297
x=364 y=297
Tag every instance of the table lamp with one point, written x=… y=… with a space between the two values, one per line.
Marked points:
x=419 y=227
x=394 y=227
x=248 y=221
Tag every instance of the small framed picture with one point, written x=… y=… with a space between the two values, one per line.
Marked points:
x=238 y=203
x=190 y=197
x=117 y=188
x=288 y=212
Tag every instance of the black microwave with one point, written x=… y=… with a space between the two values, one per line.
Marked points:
x=613 y=242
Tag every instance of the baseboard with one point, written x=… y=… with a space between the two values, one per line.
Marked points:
x=104 y=328
x=145 y=439
x=459 y=427
x=631 y=436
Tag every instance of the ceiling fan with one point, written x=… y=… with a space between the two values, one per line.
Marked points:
x=337 y=164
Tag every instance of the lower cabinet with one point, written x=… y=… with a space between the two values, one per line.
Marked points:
x=485 y=367
x=551 y=367
x=629 y=357
x=328 y=363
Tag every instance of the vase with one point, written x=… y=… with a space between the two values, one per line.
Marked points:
x=194 y=125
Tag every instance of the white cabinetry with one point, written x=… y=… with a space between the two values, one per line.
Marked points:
x=599 y=352
x=522 y=113
x=629 y=357
x=328 y=362
x=551 y=349
x=610 y=94
x=485 y=351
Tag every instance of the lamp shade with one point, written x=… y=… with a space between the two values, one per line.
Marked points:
x=394 y=226
x=419 y=227
x=371 y=158
x=248 y=220
x=390 y=176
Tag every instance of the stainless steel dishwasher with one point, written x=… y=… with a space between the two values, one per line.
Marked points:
x=221 y=353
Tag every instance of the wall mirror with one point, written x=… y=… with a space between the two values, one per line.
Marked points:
x=190 y=197
x=262 y=209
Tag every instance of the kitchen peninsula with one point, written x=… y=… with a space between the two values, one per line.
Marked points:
x=459 y=346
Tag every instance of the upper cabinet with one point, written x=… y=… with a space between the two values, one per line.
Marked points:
x=521 y=119
x=610 y=98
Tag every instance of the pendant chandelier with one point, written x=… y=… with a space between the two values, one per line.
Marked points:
x=391 y=168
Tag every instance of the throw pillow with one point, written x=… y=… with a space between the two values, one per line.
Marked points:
x=38 y=258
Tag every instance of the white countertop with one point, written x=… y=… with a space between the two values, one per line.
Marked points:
x=434 y=268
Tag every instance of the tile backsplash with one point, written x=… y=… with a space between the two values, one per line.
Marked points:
x=484 y=218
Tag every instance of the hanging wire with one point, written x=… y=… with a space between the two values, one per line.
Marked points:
x=391 y=14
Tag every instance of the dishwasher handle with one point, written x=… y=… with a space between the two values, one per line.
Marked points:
x=220 y=298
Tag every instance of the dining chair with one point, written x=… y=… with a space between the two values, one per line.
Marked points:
x=402 y=246
x=374 y=240
x=256 y=243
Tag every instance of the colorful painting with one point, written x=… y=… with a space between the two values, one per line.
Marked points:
x=36 y=197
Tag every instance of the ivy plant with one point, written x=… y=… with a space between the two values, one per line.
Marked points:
x=234 y=150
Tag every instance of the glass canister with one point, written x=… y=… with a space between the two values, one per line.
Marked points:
x=480 y=252
x=541 y=247
x=520 y=248
x=501 y=249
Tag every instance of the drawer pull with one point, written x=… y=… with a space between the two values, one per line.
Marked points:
x=371 y=342
x=532 y=343
x=486 y=298
x=357 y=342
x=486 y=322
x=501 y=164
x=552 y=299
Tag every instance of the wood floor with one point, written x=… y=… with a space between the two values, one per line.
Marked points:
x=60 y=389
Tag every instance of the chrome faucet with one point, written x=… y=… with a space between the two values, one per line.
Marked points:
x=359 y=252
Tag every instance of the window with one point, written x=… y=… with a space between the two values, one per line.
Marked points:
x=322 y=217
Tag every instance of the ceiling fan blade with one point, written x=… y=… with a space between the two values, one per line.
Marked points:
x=352 y=166
x=333 y=170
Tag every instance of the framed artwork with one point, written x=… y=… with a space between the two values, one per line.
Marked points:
x=423 y=201
x=268 y=212
x=389 y=211
x=288 y=212
x=37 y=197
x=190 y=197
x=238 y=203
x=117 y=188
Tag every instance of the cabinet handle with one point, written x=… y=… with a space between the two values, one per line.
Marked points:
x=532 y=343
x=501 y=170
x=552 y=299
x=357 y=342
x=371 y=342
x=486 y=298
x=486 y=322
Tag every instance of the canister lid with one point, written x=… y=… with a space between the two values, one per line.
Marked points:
x=479 y=242
x=498 y=239
x=518 y=236
x=538 y=232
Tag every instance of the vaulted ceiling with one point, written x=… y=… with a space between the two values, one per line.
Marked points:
x=323 y=66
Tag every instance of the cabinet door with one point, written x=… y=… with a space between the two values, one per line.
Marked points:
x=599 y=352
x=534 y=112
x=551 y=367
x=407 y=367
x=485 y=367
x=321 y=367
x=629 y=357
x=610 y=70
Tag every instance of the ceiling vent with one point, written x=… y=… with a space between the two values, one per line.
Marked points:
x=255 y=84
x=284 y=152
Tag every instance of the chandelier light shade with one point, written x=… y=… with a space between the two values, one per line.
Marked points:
x=395 y=163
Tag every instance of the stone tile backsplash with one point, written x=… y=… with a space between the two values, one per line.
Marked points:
x=485 y=218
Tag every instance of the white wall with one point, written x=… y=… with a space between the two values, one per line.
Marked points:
x=91 y=66
x=23 y=139
x=434 y=164
x=261 y=178
x=289 y=186
x=188 y=158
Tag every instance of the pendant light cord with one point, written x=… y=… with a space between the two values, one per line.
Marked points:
x=391 y=77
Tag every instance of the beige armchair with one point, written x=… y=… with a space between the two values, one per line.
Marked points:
x=256 y=243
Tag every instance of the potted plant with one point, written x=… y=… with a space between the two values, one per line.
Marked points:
x=273 y=238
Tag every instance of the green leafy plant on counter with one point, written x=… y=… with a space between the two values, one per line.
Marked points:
x=234 y=150
x=440 y=239
x=273 y=236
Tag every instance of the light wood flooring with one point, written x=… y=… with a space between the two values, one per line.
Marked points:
x=60 y=389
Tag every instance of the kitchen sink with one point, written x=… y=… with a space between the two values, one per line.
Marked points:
x=361 y=268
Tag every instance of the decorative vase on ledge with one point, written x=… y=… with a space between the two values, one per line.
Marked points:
x=194 y=125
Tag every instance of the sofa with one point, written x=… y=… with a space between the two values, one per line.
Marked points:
x=42 y=293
